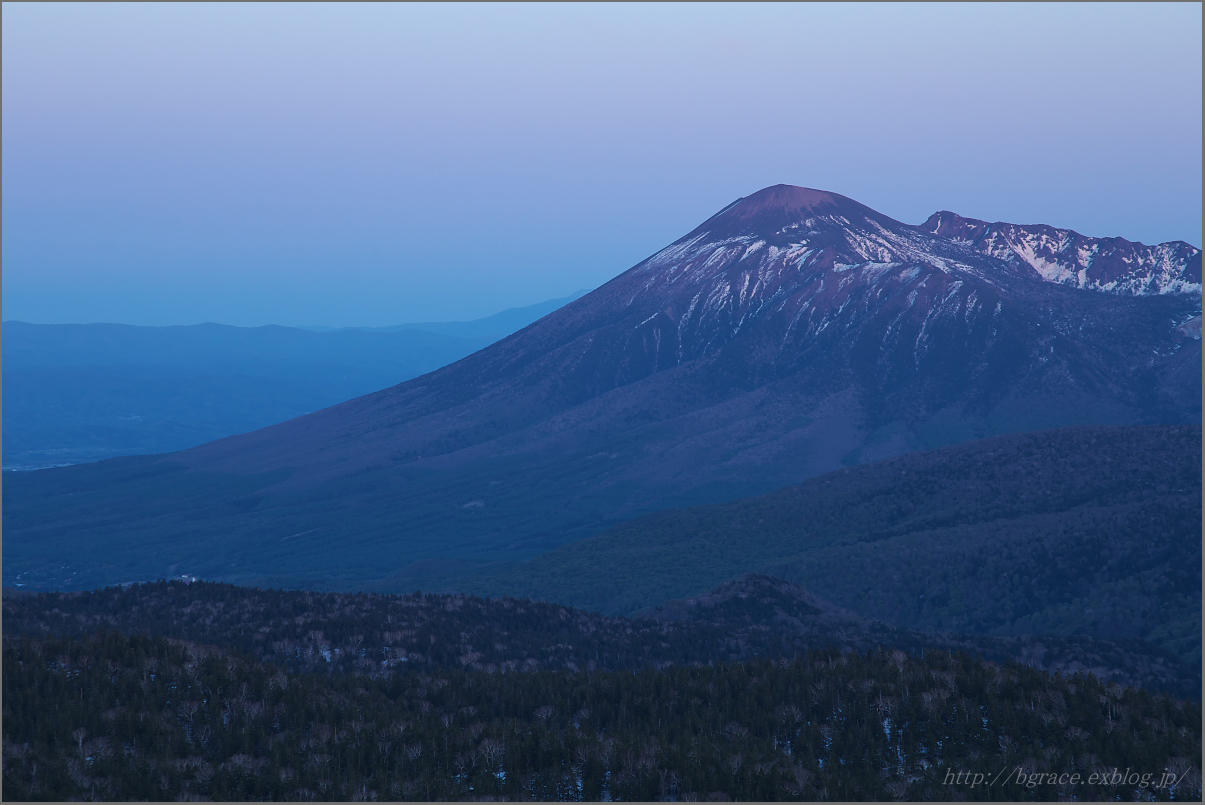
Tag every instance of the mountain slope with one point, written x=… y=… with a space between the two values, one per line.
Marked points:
x=792 y=333
x=756 y=611
x=1081 y=531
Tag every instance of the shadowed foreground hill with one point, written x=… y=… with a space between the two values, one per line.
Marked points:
x=1080 y=531
x=111 y=717
x=378 y=635
x=351 y=697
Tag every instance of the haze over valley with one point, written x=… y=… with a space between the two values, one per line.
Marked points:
x=81 y=393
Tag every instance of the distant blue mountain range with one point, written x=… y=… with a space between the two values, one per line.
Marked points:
x=75 y=393
x=492 y=327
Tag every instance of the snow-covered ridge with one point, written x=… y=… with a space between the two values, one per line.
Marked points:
x=1063 y=256
x=831 y=241
x=826 y=267
x=789 y=220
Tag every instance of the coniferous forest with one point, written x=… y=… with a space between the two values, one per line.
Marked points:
x=119 y=710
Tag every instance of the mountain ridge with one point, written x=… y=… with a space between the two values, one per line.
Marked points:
x=494 y=326
x=753 y=616
x=1064 y=256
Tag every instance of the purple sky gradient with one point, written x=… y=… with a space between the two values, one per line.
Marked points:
x=374 y=164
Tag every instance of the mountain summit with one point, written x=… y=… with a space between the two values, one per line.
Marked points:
x=778 y=210
x=794 y=332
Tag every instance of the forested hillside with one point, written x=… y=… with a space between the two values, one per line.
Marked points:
x=1079 y=531
x=117 y=717
x=379 y=635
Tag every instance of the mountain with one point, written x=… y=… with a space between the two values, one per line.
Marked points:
x=1081 y=531
x=794 y=332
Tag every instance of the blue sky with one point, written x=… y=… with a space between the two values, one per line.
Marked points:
x=374 y=164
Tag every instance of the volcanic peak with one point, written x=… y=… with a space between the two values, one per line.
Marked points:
x=787 y=198
x=773 y=209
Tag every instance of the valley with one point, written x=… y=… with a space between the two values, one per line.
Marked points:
x=82 y=393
